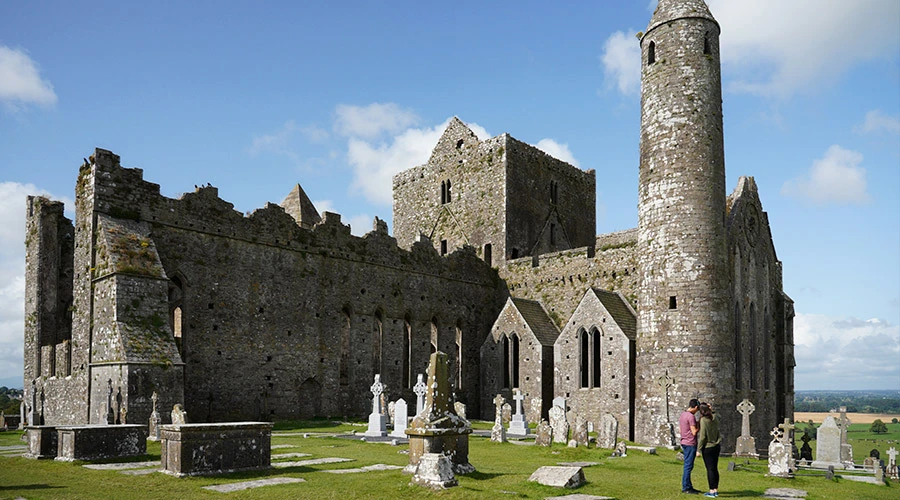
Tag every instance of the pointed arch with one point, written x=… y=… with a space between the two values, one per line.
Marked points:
x=377 y=341
x=459 y=356
x=596 y=356
x=504 y=346
x=514 y=359
x=584 y=357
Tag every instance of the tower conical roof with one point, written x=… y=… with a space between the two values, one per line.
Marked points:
x=670 y=10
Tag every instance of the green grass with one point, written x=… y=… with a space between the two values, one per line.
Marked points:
x=861 y=440
x=502 y=472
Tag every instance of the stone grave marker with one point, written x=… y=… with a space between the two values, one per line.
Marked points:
x=892 y=463
x=580 y=434
x=155 y=421
x=390 y=412
x=621 y=449
x=781 y=459
x=179 y=416
x=846 y=448
x=377 y=419
x=507 y=414
x=543 y=434
x=498 y=431
x=460 y=409
x=434 y=471
x=806 y=457
x=558 y=422
x=746 y=443
x=609 y=432
x=419 y=389
x=559 y=477
x=535 y=409
x=518 y=425
x=828 y=445
x=401 y=418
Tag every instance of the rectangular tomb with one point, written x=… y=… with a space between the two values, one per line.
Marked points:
x=41 y=441
x=206 y=449
x=95 y=442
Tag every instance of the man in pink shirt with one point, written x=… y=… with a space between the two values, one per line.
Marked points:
x=688 y=425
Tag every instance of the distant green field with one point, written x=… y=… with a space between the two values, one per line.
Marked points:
x=503 y=471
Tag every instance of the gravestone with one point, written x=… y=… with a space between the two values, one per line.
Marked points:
x=869 y=463
x=806 y=456
x=179 y=416
x=460 y=409
x=390 y=412
x=846 y=449
x=377 y=419
x=892 y=463
x=828 y=445
x=780 y=454
x=543 y=434
x=110 y=412
x=536 y=409
x=621 y=449
x=666 y=430
x=438 y=429
x=746 y=443
x=559 y=476
x=875 y=453
x=558 y=422
x=580 y=434
x=435 y=471
x=419 y=390
x=507 y=414
x=518 y=425
x=154 y=420
x=609 y=432
x=498 y=431
x=401 y=418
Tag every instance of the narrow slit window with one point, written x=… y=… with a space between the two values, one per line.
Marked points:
x=651 y=53
x=673 y=302
x=443 y=247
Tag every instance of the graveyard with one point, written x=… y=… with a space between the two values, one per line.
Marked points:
x=502 y=469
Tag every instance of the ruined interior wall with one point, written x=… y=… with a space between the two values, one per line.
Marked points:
x=475 y=213
x=528 y=203
x=263 y=302
x=614 y=394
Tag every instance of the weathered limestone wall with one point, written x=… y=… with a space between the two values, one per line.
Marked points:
x=614 y=394
x=531 y=358
x=475 y=213
x=761 y=332
x=560 y=279
x=530 y=210
x=684 y=296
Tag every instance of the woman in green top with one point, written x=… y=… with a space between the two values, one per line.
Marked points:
x=708 y=442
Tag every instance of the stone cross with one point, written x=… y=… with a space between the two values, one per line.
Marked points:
x=377 y=419
x=498 y=409
x=518 y=397
x=154 y=398
x=517 y=425
x=153 y=428
x=745 y=408
x=420 y=389
x=846 y=449
x=786 y=428
x=110 y=414
x=377 y=388
x=892 y=463
x=665 y=382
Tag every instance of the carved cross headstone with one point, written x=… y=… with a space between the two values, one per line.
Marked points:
x=377 y=419
x=746 y=444
x=420 y=389
x=745 y=408
x=665 y=382
x=780 y=456
x=558 y=421
x=154 y=420
x=786 y=429
x=518 y=426
x=892 y=463
x=179 y=416
x=498 y=432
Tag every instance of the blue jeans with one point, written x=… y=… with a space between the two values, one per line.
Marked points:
x=690 y=452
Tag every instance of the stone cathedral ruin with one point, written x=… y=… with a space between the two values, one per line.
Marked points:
x=494 y=259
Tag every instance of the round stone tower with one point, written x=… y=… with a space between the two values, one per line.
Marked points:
x=684 y=337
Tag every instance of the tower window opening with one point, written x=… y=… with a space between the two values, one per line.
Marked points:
x=706 y=48
x=553 y=234
x=459 y=144
x=554 y=192
x=673 y=302
x=651 y=54
x=487 y=253
x=443 y=247
x=443 y=192
x=449 y=192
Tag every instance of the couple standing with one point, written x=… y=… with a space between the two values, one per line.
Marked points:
x=703 y=435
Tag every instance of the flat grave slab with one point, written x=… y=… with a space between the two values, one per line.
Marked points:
x=290 y=455
x=579 y=496
x=140 y=472
x=367 y=468
x=229 y=487
x=862 y=479
x=784 y=493
x=560 y=477
x=312 y=461
x=281 y=446
x=577 y=464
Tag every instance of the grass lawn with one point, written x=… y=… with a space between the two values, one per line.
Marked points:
x=861 y=440
x=502 y=472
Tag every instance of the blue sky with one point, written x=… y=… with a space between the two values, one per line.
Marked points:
x=253 y=97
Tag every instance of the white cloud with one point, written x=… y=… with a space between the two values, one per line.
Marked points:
x=835 y=178
x=621 y=60
x=557 y=150
x=369 y=122
x=375 y=164
x=775 y=47
x=20 y=80
x=876 y=121
x=846 y=353
x=12 y=273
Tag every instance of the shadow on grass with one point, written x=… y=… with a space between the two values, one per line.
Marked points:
x=482 y=476
x=29 y=487
x=317 y=423
x=739 y=494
